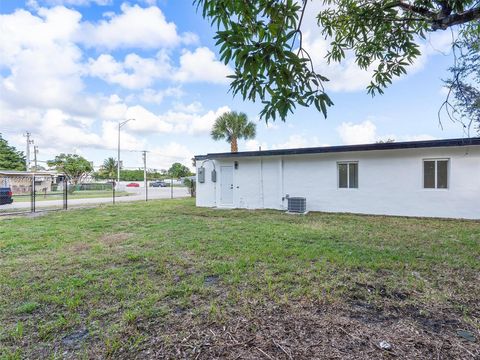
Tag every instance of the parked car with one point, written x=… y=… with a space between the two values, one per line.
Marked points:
x=133 y=185
x=6 y=195
x=158 y=184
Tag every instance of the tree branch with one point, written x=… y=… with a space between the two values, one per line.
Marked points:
x=456 y=19
x=415 y=9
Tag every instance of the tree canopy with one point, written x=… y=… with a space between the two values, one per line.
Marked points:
x=463 y=100
x=264 y=41
x=132 y=175
x=10 y=158
x=178 y=170
x=233 y=126
x=109 y=168
x=75 y=167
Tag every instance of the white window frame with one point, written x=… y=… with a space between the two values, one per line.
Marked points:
x=436 y=160
x=348 y=175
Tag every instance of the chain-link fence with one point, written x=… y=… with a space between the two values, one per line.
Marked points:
x=32 y=193
x=35 y=193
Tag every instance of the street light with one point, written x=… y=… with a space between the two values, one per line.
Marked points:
x=120 y=124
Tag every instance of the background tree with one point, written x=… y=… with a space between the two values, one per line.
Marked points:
x=75 y=167
x=10 y=158
x=233 y=126
x=264 y=41
x=134 y=175
x=178 y=170
x=463 y=101
x=109 y=168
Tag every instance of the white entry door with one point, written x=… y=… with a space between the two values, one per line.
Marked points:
x=226 y=183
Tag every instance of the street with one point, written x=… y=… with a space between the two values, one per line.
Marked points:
x=137 y=195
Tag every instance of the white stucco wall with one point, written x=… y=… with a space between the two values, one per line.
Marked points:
x=390 y=183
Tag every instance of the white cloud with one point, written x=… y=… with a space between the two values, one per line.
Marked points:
x=298 y=141
x=22 y=31
x=44 y=65
x=366 y=133
x=135 y=27
x=161 y=157
x=146 y=121
x=157 y=96
x=113 y=109
x=191 y=123
x=134 y=72
x=181 y=122
x=193 y=108
x=56 y=131
x=201 y=65
x=185 y=119
x=363 y=133
x=294 y=141
x=128 y=140
x=35 y=4
x=255 y=145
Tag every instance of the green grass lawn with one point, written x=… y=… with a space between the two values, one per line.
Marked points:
x=81 y=194
x=165 y=279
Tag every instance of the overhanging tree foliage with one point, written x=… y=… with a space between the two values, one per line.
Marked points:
x=264 y=41
x=10 y=158
x=75 y=167
x=463 y=100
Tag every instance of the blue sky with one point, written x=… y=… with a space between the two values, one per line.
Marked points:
x=71 y=69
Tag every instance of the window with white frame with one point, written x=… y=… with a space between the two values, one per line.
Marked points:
x=435 y=174
x=348 y=175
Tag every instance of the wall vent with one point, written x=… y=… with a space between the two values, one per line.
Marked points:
x=297 y=205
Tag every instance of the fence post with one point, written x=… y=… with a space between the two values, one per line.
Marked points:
x=33 y=194
x=114 y=185
x=65 y=193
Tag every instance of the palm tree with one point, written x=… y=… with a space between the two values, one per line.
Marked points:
x=109 y=167
x=233 y=126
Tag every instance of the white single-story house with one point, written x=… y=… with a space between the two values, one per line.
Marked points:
x=435 y=178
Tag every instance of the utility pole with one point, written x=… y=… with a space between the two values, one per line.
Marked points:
x=27 y=135
x=144 y=154
x=120 y=124
x=35 y=152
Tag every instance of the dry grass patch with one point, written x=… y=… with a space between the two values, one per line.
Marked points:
x=114 y=239
x=165 y=279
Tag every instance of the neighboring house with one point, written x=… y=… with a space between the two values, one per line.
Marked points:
x=437 y=178
x=21 y=181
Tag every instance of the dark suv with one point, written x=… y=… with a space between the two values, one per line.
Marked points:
x=5 y=195
x=158 y=184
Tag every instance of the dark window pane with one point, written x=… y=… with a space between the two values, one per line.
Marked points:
x=442 y=174
x=429 y=174
x=342 y=176
x=353 y=175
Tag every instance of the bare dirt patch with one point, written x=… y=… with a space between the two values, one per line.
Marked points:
x=309 y=331
x=115 y=238
x=79 y=247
